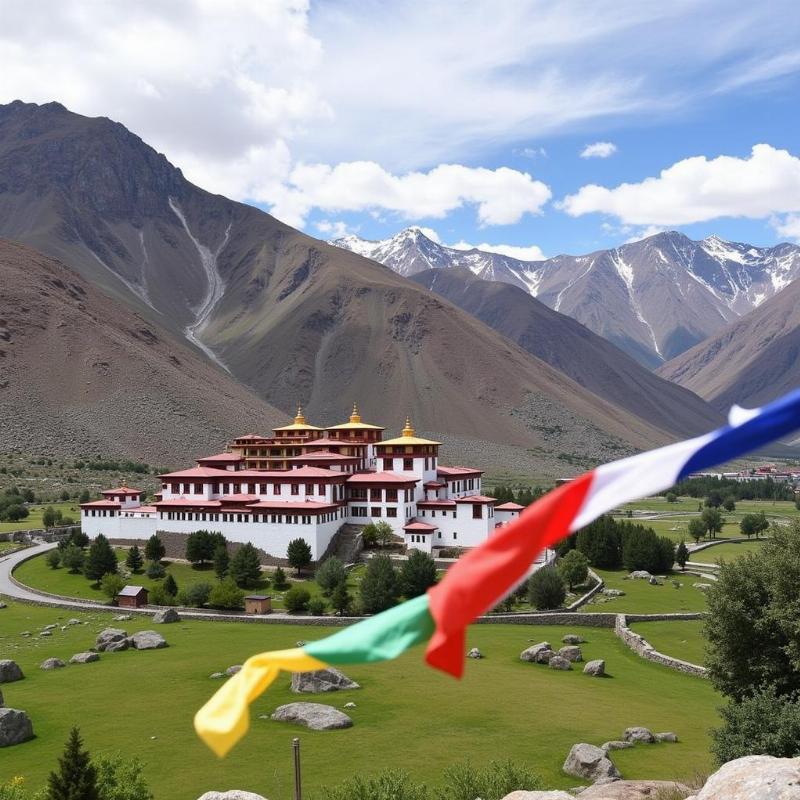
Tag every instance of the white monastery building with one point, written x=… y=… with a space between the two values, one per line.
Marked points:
x=306 y=482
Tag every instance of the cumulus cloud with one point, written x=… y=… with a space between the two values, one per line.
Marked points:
x=332 y=229
x=788 y=226
x=529 y=253
x=699 y=189
x=500 y=196
x=599 y=150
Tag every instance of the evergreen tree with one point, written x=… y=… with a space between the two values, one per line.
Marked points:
x=53 y=559
x=546 y=590
x=245 y=566
x=84 y=497
x=298 y=553
x=601 y=542
x=682 y=555
x=340 y=599
x=379 y=587
x=73 y=558
x=221 y=561
x=573 y=568
x=279 y=578
x=170 y=585
x=329 y=575
x=134 y=560
x=417 y=574
x=100 y=559
x=154 y=550
x=76 y=778
x=200 y=547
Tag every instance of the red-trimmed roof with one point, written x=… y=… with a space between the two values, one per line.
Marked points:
x=509 y=507
x=131 y=591
x=436 y=504
x=201 y=472
x=145 y=509
x=122 y=490
x=239 y=498
x=222 y=457
x=476 y=498
x=380 y=477
x=433 y=485
x=288 y=505
x=186 y=502
x=420 y=527
x=323 y=455
x=101 y=504
x=326 y=441
x=457 y=472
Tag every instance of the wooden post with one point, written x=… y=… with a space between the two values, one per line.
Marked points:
x=298 y=792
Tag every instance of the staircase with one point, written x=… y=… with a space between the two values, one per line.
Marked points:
x=346 y=544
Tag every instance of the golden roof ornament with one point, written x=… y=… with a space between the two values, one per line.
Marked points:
x=300 y=419
x=355 y=417
x=409 y=428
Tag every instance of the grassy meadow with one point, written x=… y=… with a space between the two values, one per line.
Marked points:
x=681 y=639
x=726 y=552
x=412 y=717
x=34 y=518
x=642 y=598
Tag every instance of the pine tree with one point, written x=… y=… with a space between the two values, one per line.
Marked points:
x=170 y=586
x=682 y=555
x=154 y=550
x=330 y=574
x=76 y=778
x=298 y=553
x=134 y=560
x=279 y=578
x=340 y=598
x=100 y=559
x=221 y=561
x=379 y=587
x=417 y=574
x=245 y=567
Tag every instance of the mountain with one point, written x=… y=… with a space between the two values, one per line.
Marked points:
x=654 y=298
x=573 y=349
x=82 y=374
x=293 y=318
x=749 y=362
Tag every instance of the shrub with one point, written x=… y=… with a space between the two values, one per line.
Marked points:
x=155 y=570
x=465 y=782
x=73 y=558
x=386 y=785
x=296 y=599
x=222 y=561
x=195 y=595
x=119 y=779
x=100 y=559
x=226 y=594
x=417 y=574
x=329 y=575
x=111 y=584
x=298 y=553
x=546 y=590
x=170 y=585
x=671 y=497
x=341 y=600
x=245 y=566
x=154 y=550
x=573 y=568
x=316 y=606
x=51 y=517
x=369 y=535
x=279 y=578
x=764 y=723
x=729 y=503
x=14 y=512
x=379 y=588
x=134 y=560
x=159 y=596
x=53 y=559
x=682 y=555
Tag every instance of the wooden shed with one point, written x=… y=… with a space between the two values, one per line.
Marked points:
x=132 y=597
x=257 y=604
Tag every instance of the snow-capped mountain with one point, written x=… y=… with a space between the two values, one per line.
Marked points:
x=654 y=298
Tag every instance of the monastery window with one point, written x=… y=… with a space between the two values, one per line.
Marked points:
x=240 y=517
x=408 y=464
x=491 y=511
x=251 y=489
x=237 y=488
x=376 y=511
x=391 y=512
x=433 y=512
x=388 y=464
x=276 y=488
x=295 y=488
x=455 y=535
x=309 y=488
x=391 y=495
x=262 y=488
x=439 y=535
x=306 y=520
x=215 y=488
x=164 y=486
x=454 y=514
x=477 y=512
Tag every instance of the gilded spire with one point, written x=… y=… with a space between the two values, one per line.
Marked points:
x=355 y=416
x=299 y=419
x=409 y=428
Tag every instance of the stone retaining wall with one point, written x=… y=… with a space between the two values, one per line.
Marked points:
x=643 y=648
x=45 y=534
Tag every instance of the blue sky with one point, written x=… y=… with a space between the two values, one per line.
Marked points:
x=462 y=116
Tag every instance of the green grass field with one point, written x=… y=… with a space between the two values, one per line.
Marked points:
x=36 y=574
x=726 y=552
x=34 y=519
x=642 y=598
x=681 y=639
x=408 y=715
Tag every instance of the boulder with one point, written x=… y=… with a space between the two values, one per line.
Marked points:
x=703 y=587
x=84 y=658
x=109 y=636
x=572 y=638
x=15 y=727
x=147 y=640
x=3 y=605
x=640 y=574
x=114 y=647
x=596 y=668
x=119 y=618
x=667 y=736
x=590 y=762
x=350 y=705
x=233 y=670
x=216 y=675
x=74 y=621
x=45 y=633
x=653 y=581
x=532 y=652
x=50 y=627
x=754 y=778
x=474 y=653
x=231 y=794
x=521 y=794
x=571 y=652
x=616 y=744
x=322 y=680
x=52 y=663
x=634 y=790
x=559 y=662
x=10 y=671
x=613 y=592
x=638 y=734
x=165 y=616
x=316 y=716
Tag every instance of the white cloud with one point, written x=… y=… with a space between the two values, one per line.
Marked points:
x=643 y=233
x=599 y=150
x=788 y=226
x=699 y=189
x=530 y=253
x=430 y=233
x=531 y=152
x=333 y=229
x=501 y=196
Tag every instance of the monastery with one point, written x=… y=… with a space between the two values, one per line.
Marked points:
x=306 y=482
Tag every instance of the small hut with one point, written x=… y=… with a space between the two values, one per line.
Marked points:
x=132 y=597
x=257 y=604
